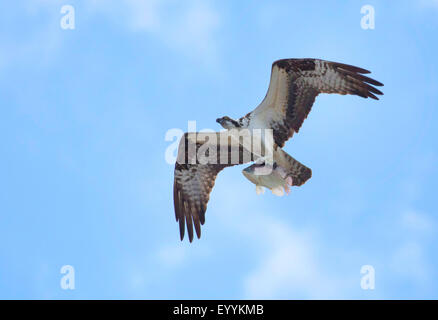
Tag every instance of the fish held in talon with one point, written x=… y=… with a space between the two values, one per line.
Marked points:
x=277 y=180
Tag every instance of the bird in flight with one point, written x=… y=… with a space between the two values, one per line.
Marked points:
x=293 y=87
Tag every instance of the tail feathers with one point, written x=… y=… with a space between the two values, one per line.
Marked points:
x=295 y=169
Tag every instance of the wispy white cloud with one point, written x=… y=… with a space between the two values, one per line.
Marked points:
x=417 y=222
x=188 y=27
x=429 y=3
x=289 y=267
x=134 y=14
x=288 y=264
x=409 y=262
x=38 y=45
x=163 y=262
x=172 y=255
x=176 y=254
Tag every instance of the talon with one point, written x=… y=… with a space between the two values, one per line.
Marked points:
x=260 y=190
x=278 y=191
x=289 y=181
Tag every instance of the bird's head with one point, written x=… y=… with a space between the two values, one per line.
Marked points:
x=227 y=123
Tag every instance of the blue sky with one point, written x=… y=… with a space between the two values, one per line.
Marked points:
x=84 y=181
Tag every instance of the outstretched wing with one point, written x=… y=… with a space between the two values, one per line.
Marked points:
x=195 y=177
x=191 y=192
x=294 y=85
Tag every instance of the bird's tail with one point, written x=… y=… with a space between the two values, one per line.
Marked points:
x=295 y=169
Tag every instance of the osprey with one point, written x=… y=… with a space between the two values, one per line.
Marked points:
x=293 y=87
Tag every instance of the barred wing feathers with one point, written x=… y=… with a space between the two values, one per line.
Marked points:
x=193 y=180
x=293 y=87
